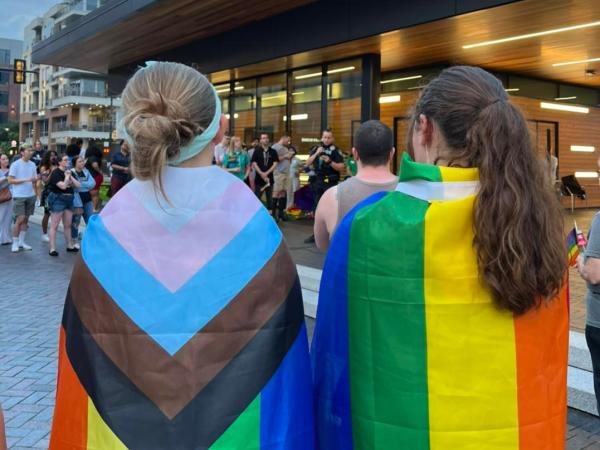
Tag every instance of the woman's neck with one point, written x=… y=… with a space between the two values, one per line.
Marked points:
x=202 y=159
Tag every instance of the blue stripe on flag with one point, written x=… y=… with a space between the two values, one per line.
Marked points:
x=172 y=319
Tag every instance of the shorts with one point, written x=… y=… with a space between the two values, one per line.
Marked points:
x=23 y=206
x=282 y=182
x=99 y=179
x=60 y=202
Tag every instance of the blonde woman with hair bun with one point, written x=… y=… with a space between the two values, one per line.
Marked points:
x=183 y=325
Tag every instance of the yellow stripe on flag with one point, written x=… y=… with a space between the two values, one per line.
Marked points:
x=471 y=361
x=459 y=174
x=100 y=437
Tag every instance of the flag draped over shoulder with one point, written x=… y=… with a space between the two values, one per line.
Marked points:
x=184 y=329
x=410 y=352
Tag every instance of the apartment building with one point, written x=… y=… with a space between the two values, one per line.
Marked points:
x=9 y=92
x=60 y=103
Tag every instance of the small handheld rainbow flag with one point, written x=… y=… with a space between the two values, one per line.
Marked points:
x=575 y=244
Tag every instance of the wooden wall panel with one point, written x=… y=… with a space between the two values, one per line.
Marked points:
x=573 y=129
x=340 y=114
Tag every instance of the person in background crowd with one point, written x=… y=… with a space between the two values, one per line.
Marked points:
x=251 y=180
x=6 y=206
x=82 y=200
x=48 y=164
x=220 y=150
x=22 y=175
x=93 y=156
x=74 y=150
x=60 y=202
x=38 y=153
x=120 y=169
x=373 y=150
x=327 y=162
x=235 y=160
x=443 y=317
x=294 y=184
x=264 y=161
x=281 y=176
x=588 y=266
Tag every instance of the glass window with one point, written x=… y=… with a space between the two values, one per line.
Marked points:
x=272 y=100
x=4 y=77
x=244 y=111
x=305 y=123
x=3 y=117
x=223 y=93
x=343 y=100
x=529 y=87
x=4 y=56
x=3 y=98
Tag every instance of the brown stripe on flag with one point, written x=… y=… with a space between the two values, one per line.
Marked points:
x=171 y=382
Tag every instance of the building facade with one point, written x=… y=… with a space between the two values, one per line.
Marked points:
x=9 y=91
x=60 y=103
x=297 y=67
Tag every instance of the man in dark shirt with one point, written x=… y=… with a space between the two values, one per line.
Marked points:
x=264 y=161
x=120 y=169
x=327 y=162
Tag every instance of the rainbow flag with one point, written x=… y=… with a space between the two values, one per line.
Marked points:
x=572 y=248
x=184 y=328
x=409 y=351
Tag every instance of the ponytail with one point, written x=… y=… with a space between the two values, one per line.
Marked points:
x=517 y=219
x=518 y=223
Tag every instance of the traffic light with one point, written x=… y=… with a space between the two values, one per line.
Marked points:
x=19 y=71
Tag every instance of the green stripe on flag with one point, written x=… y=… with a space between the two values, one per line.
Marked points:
x=387 y=334
x=244 y=432
x=410 y=170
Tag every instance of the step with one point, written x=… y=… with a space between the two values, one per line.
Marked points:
x=580 y=392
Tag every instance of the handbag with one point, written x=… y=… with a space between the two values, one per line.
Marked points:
x=5 y=195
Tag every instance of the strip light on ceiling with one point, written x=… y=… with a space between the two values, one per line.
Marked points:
x=583 y=148
x=581 y=61
x=512 y=90
x=586 y=174
x=389 y=99
x=565 y=98
x=226 y=89
x=532 y=35
x=318 y=74
x=414 y=77
x=296 y=117
x=562 y=107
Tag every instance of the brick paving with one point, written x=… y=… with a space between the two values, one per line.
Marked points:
x=33 y=286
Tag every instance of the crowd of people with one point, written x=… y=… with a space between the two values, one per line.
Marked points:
x=67 y=187
x=442 y=303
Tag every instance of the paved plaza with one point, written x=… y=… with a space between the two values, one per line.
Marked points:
x=33 y=286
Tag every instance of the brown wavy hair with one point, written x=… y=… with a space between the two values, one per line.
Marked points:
x=518 y=221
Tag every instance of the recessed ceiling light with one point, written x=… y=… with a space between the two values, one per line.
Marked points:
x=583 y=148
x=562 y=107
x=414 y=77
x=531 y=35
x=389 y=99
x=581 y=61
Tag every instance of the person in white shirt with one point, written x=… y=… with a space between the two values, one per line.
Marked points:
x=220 y=150
x=22 y=175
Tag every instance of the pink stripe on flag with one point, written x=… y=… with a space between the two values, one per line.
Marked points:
x=173 y=258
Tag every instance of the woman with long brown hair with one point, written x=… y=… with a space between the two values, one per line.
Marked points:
x=442 y=320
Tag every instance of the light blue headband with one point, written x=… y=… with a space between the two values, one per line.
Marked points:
x=199 y=143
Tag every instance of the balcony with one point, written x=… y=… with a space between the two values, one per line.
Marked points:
x=93 y=130
x=84 y=98
x=35 y=85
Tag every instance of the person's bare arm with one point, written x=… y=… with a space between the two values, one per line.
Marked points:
x=271 y=169
x=315 y=155
x=589 y=270
x=13 y=180
x=326 y=218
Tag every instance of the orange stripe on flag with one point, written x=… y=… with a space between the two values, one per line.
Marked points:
x=69 y=427
x=542 y=341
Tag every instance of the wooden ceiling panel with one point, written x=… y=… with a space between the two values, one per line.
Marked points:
x=441 y=42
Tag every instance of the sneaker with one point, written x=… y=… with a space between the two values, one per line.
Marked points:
x=76 y=245
x=53 y=253
x=26 y=247
x=72 y=250
x=310 y=240
x=15 y=247
x=45 y=238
